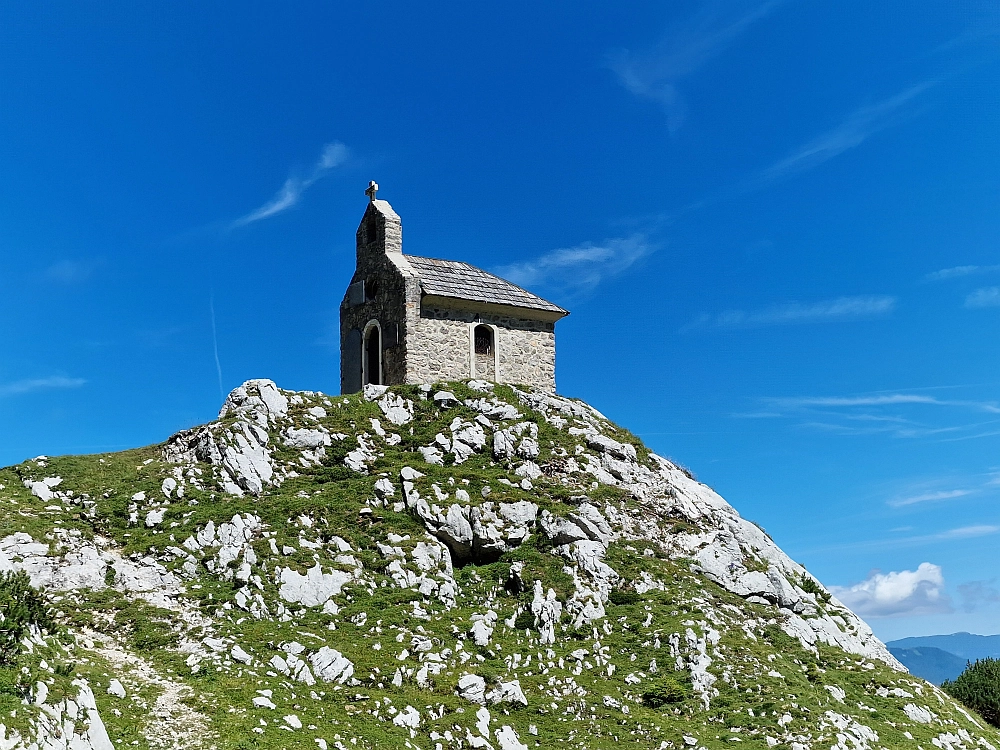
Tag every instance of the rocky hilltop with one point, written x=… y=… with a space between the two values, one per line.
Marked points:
x=452 y=566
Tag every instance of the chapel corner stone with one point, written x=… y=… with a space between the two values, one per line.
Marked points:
x=409 y=319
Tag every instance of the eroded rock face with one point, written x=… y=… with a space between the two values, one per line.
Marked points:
x=258 y=400
x=241 y=450
x=480 y=533
x=729 y=551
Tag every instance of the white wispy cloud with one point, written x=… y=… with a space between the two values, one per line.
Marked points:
x=578 y=270
x=842 y=308
x=855 y=129
x=883 y=429
x=19 y=387
x=70 y=271
x=986 y=297
x=959 y=271
x=655 y=74
x=894 y=398
x=949 y=535
x=905 y=415
x=977 y=594
x=877 y=418
x=967 y=532
x=906 y=592
x=333 y=155
x=929 y=497
x=945 y=488
x=888 y=399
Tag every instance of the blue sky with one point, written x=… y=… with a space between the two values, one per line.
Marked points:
x=775 y=224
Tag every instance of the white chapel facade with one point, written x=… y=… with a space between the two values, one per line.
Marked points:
x=408 y=319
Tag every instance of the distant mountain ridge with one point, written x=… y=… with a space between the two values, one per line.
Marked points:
x=965 y=645
x=933 y=664
x=937 y=658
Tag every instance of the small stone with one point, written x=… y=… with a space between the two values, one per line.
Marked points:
x=116 y=689
x=472 y=687
x=409 y=717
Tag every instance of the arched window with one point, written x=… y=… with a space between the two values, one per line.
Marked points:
x=484 y=340
x=372 y=356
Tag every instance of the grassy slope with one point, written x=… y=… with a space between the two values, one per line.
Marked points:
x=769 y=677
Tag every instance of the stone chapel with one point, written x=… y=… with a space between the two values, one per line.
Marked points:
x=407 y=319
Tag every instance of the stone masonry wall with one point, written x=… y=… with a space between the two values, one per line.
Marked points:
x=438 y=348
x=387 y=309
x=528 y=353
x=397 y=298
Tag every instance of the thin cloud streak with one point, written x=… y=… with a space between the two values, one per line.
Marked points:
x=978 y=594
x=333 y=155
x=963 y=532
x=895 y=398
x=987 y=297
x=20 y=387
x=858 y=127
x=70 y=271
x=655 y=74
x=959 y=271
x=842 y=308
x=907 y=415
x=886 y=400
x=908 y=432
x=215 y=346
x=578 y=270
x=967 y=532
x=928 y=497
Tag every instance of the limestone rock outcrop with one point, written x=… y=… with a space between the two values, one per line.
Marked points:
x=447 y=565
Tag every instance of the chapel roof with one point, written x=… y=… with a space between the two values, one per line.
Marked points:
x=453 y=278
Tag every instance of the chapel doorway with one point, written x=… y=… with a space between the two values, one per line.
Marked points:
x=373 y=356
x=484 y=347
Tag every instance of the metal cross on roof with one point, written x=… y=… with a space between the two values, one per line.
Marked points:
x=372 y=189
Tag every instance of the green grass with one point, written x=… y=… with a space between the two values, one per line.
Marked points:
x=573 y=701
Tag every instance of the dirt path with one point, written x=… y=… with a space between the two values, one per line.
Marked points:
x=172 y=725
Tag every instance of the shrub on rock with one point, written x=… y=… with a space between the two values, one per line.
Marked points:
x=21 y=608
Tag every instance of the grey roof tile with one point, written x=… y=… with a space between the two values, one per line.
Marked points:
x=452 y=278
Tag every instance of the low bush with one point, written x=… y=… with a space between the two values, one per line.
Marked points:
x=525 y=620
x=810 y=586
x=665 y=691
x=21 y=608
x=620 y=597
